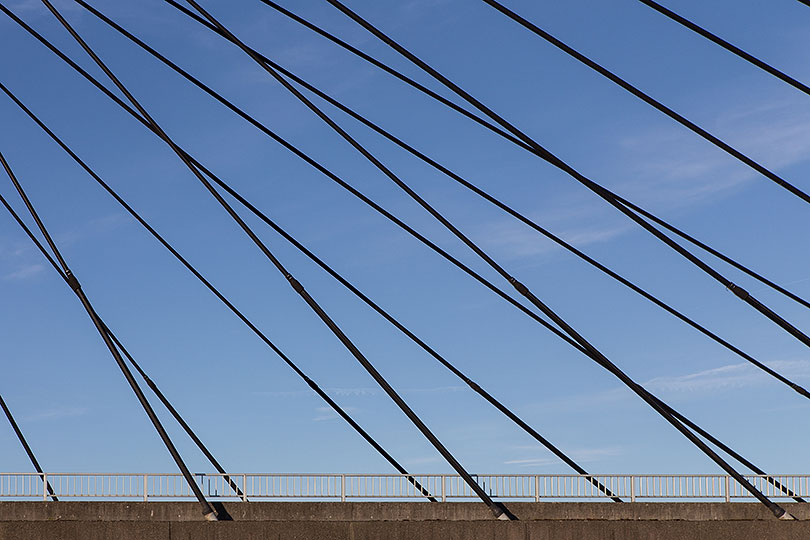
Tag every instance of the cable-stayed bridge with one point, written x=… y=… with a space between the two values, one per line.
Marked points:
x=328 y=136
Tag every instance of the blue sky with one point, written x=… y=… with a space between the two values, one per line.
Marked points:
x=253 y=412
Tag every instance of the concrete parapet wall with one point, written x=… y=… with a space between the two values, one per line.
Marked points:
x=390 y=511
x=406 y=530
x=88 y=520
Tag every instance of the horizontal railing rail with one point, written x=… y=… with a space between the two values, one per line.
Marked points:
x=444 y=487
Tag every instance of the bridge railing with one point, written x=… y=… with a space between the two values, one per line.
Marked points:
x=444 y=487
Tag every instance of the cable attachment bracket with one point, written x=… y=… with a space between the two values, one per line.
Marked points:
x=72 y=281
x=295 y=284
x=738 y=291
x=520 y=287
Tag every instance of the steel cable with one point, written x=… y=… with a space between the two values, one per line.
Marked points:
x=691 y=126
x=728 y=46
x=599 y=190
x=595 y=354
x=311 y=383
x=793 y=385
x=497 y=130
x=208 y=511
x=497 y=509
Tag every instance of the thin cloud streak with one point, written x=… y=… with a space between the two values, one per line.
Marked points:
x=25 y=272
x=668 y=169
x=730 y=376
x=57 y=414
x=677 y=168
x=583 y=455
x=362 y=391
x=703 y=382
x=327 y=413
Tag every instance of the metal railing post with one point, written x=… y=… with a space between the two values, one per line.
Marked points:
x=44 y=486
x=244 y=488
x=632 y=488
x=536 y=488
x=343 y=488
x=444 y=488
x=145 y=487
x=728 y=487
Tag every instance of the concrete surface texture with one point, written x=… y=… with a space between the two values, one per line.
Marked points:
x=87 y=520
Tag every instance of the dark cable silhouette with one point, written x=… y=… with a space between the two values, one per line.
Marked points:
x=595 y=354
x=728 y=46
x=607 y=195
x=73 y=282
x=520 y=287
x=21 y=437
x=497 y=130
x=474 y=386
x=238 y=197
x=132 y=362
x=649 y=100
x=796 y=387
x=320 y=392
x=497 y=509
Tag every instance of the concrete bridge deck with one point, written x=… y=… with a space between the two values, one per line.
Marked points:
x=90 y=520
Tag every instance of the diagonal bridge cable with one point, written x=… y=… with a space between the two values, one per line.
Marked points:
x=593 y=352
x=683 y=21
x=264 y=218
x=428 y=160
x=399 y=223
x=23 y=442
x=520 y=287
x=649 y=100
x=310 y=382
x=5 y=408
x=152 y=386
x=444 y=170
x=498 y=509
x=498 y=131
x=483 y=281
x=607 y=195
x=73 y=282
x=474 y=386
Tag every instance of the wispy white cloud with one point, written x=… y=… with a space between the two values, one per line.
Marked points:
x=415 y=461
x=673 y=167
x=703 y=382
x=582 y=455
x=24 y=272
x=327 y=413
x=666 y=169
x=353 y=391
x=95 y=227
x=19 y=261
x=363 y=391
x=36 y=6
x=730 y=376
x=57 y=414
x=581 y=223
x=435 y=389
